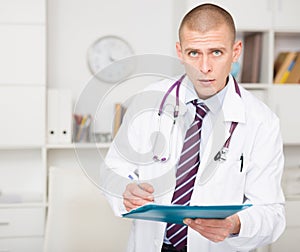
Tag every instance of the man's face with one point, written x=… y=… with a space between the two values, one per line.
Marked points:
x=207 y=58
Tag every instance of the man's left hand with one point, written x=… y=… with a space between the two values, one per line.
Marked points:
x=216 y=230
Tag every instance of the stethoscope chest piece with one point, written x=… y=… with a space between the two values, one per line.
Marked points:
x=221 y=156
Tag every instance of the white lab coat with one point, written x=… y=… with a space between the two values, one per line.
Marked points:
x=257 y=136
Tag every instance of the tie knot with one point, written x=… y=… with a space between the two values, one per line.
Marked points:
x=201 y=109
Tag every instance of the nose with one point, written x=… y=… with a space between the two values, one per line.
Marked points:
x=204 y=65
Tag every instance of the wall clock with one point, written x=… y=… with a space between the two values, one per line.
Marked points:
x=104 y=57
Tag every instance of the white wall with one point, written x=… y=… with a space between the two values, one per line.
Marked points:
x=150 y=26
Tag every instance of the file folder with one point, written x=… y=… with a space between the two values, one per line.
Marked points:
x=65 y=116
x=59 y=114
x=52 y=114
x=177 y=213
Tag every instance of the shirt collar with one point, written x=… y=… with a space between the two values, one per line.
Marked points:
x=214 y=103
x=233 y=105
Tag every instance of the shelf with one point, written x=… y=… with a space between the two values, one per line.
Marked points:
x=243 y=31
x=286 y=84
x=255 y=86
x=21 y=147
x=22 y=205
x=78 y=146
x=292 y=198
x=21 y=199
x=288 y=144
x=287 y=31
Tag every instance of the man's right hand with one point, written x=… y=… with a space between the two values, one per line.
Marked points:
x=136 y=195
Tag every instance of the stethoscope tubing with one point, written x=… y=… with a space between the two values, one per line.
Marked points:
x=177 y=84
x=220 y=156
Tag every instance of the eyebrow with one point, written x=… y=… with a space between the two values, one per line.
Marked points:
x=221 y=48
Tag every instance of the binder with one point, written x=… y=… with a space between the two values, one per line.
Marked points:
x=287 y=72
x=177 y=213
x=284 y=66
x=294 y=76
x=279 y=60
x=252 y=58
x=65 y=116
x=59 y=116
x=119 y=111
x=52 y=120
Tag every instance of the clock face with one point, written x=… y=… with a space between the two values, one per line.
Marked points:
x=104 y=57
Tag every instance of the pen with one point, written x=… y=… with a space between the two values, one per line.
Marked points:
x=135 y=177
x=242 y=162
x=131 y=177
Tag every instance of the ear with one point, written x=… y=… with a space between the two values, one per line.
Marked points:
x=237 y=50
x=179 y=51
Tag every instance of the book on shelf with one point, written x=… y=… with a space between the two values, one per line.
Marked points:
x=284 y=66
x=252 y=58
x=294 y=76
x=118 y=117
x=287 y=71
x=278 y=62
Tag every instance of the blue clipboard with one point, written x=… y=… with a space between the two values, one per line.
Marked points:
x=177 y=213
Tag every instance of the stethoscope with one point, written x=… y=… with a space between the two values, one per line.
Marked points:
x=221 y=156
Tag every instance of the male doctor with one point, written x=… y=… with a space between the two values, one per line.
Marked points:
x=251 y=172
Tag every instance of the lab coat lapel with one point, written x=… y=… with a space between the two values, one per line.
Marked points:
x=233 y=110
x=215 y=143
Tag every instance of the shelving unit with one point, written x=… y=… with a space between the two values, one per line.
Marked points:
x=78 y=146
x=23 y=170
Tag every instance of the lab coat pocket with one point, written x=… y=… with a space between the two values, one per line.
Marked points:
x=231 y=177
x=227 y=184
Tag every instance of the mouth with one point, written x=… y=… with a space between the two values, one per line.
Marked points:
x=206 y=82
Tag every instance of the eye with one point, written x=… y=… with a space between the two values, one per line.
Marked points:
x=193 y=54
x=217 y=53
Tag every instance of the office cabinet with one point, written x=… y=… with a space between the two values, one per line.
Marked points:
x=286 y=15
x=22 y=222
x=22 y=50
x=22 y=179
x=23 y=42
x=22 y=11
x=286 y=103
x=27 y=244
x=277 y=14
x=22 y=128
x=22 y=111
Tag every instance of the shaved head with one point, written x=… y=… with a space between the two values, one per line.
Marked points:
x=207 y=17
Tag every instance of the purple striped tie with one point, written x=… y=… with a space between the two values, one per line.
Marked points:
x=186 y=173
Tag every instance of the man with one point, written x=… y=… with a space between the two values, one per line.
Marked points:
x=253 y=167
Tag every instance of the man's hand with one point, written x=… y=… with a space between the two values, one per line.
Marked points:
x=215 y=230
x=136 y=195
